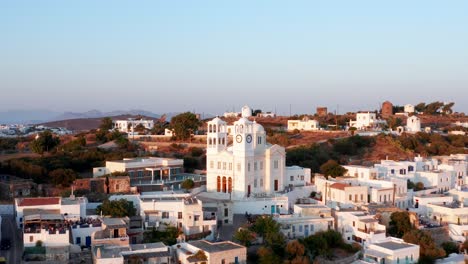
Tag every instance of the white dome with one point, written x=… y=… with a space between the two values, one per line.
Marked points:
x=258 y=127
x=243 y=120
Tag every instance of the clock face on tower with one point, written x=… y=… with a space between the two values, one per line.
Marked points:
x=239 y=138
x=248 y=138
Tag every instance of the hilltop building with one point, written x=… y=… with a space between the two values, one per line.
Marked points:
x=305 y=124
x=126 y=126
x=387 y=109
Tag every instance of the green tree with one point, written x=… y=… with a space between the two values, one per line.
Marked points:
x=244 y=236
x=200 y=256
x=117 y=208
x=410 y=185
x=168 y=236
x=188 y=184
x=184 y=124
x=421 y=107
x=419 y=186
x=196 y=152
x=106 y=124
x=399 y=224
x=265 y=225
x=63 y=177
x=450 y=247
x=447 y=109
x=44 y=142
x=267 y=256
x=394 y=122
x=332 y=168
x=433 y=108
x=140 y=128
x=428 y=249
x=295 y=252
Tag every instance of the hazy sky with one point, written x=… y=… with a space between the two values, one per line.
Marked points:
x=211 y=56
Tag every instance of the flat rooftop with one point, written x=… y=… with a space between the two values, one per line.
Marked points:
x=394 y=245
x=215 y=247
x=38 y=201
x=114 y=222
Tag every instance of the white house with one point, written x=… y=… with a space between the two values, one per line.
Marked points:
x=364 y=120
x=392 y=251
x=359 y=226
x=251 y=166
x=305 y=124
x=130 y=124
x=155 y=253
x=413 y=124
x=409 y=108
x=215 y=252
x=186 y=213
x=307 y=220
x=149 y=168
x=343 y=195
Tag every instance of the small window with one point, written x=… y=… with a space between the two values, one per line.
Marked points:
x=291 y=178
x=196 y=218
x=226 y=212
x=261 y=165
x=219 y=165
x=211 y=164
x=31 y=238
x=165 y=215
x=238 y=167
x=179 y=215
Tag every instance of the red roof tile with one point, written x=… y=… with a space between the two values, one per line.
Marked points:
x=339 y=186
x=39 y=201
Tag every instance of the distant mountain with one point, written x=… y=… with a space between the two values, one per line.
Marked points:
x=46 y=116
x=26 y=116
x=97 y=114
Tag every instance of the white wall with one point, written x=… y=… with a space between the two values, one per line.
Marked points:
x=261 y=206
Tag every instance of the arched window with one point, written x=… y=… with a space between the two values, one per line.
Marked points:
x=218 y=184
x=209 y=128
x=224 y=184
x=229 y=185
x=209 y=141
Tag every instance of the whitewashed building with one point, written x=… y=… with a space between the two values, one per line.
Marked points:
x=305 y=124
x=392 y=251
x=215 y=252
x=413 y=124
x=364 y=120
x=359 y=226
x=126 y=126
x=251 y=166
x=409 y=108
x=306 y=220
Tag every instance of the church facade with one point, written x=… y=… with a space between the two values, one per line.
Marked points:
x=250 y=167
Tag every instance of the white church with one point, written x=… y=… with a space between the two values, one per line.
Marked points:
x=249 y=168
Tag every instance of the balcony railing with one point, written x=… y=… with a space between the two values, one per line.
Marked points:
x=121 y=238
x=369 y=230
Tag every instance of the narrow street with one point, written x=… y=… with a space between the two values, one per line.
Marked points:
x=9 y=230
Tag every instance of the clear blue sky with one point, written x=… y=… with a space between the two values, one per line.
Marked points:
x=211 y=56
